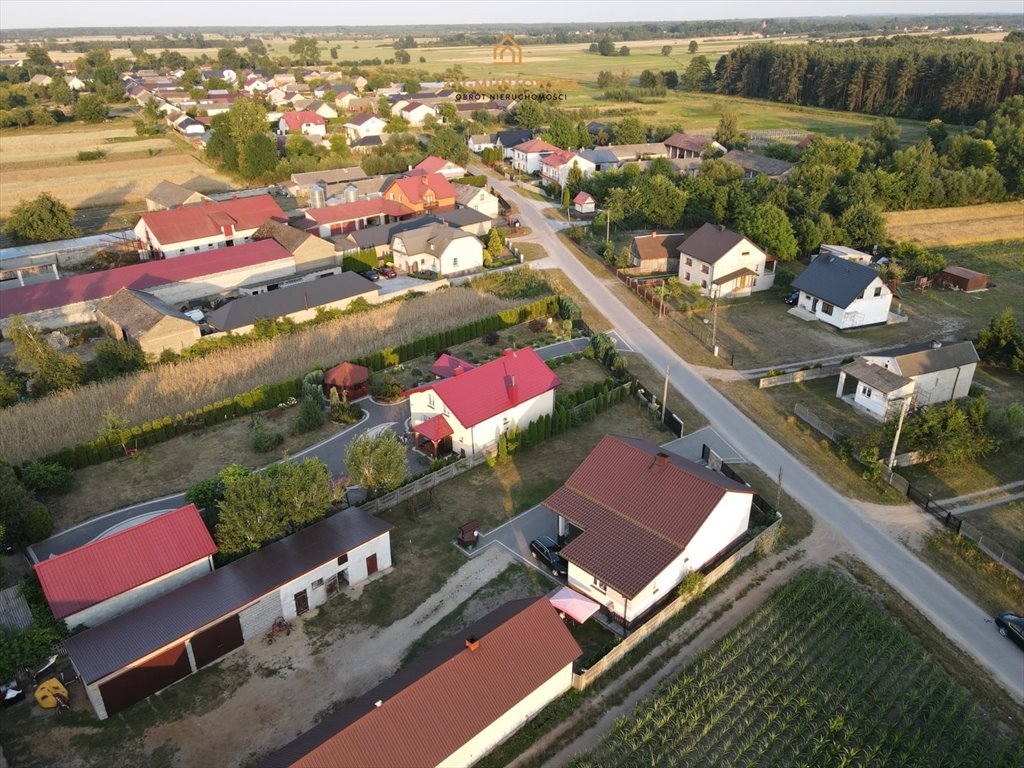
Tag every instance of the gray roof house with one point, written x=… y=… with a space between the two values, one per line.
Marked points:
x=754 y=164
x=167 y=194
x=842 y=293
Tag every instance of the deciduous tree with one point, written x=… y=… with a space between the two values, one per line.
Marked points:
x=377 y=463
x=768 y=227
x=40 y=220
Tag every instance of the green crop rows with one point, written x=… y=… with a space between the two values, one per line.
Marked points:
x=819 y=676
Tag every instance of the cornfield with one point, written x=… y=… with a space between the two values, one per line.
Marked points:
x=820 y=676
x=43 y=426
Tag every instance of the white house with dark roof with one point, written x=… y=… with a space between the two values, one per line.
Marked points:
x=932 y=372
x=362 y=125
x=437 y=248
x=843 y=293
x=638 y=520
x=724 y=263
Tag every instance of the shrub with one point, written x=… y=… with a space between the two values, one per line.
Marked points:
x=265 y=439
x=310 y=416
x=538 y=324
x=385 y=388
x=47 y=477
x=37 y=525
x=491 y=338
x=91 y=154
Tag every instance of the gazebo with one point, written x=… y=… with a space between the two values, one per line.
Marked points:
x=349 y=378
x=434 y=431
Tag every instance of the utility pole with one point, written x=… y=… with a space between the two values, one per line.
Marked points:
x=714 y=324
x=778 y=492
x=899 y=428
x=664 y=397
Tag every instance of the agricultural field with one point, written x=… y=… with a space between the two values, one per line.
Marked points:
x=820 y=675
x=35 y=160
x=958 y=226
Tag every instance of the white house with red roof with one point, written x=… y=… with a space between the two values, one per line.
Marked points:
x=210 y=225
x=639 y=519
x=469 y=411
x=526 y=157
x=416 y=112
x=584 y=202
x=432 y=164
x=110 y=576
x=362 y=125
x=555 y=166
x=306 y=122
x=358 y=214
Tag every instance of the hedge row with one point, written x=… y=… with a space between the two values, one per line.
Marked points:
x=428 y=345
x=472 y=181
x=269 y=395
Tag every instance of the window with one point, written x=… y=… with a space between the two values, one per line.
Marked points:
x=687 y=278
x=195 y=248
x=826 y=308
x=878 y=291
x=861 y=295
x=745 y=253
x=455 y=261
x=343 y=560
x=703 y=283
x=318 y=584
x=689 y=262
x=600 y=585
x=866 y=391
x=705 y=269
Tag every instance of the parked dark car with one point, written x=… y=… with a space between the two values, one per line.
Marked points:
x=388 y=272
x=792 y=298
x=546 y=550
x=371 y=274
x=1010 y=625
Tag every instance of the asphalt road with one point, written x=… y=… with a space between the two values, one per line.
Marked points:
x=950 y=611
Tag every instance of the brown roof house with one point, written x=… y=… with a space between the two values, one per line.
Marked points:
x=310 y=252
x=656 y=252
x=638 y=520
x=754 y=164
x=724 y=263
x=452 y=705
x=147 y=322
x=167 y=195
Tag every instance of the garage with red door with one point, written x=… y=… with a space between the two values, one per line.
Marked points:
x=213 y=642
x=147 y=678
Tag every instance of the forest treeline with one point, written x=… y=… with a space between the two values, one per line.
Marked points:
x=959 y=81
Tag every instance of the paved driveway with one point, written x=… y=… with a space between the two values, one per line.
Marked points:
x=559 y=348
x=517 y=533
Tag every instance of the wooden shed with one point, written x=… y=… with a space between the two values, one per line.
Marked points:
x=349 y=378
x=963 y=279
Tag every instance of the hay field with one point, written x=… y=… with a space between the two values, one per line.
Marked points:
x=958 y=226
x=33 y=429
x=43 y=160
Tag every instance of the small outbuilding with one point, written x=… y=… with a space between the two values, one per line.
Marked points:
x=583 y=203
x=963 y=279
x=147 y=322
x=352 y=379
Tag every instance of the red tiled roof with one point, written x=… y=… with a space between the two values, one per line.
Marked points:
x=443 y=700
x=488 y=390
x=113 y=565
x=140 y=277
x=193 y=222
x=346 y=375
x=559 y=158
x=435 y=429
x=295 y=120
x=432 y=164
x=535 y=145
x=358 y=209
x=583 y=197
x=447 y=365
x=415 y=187
x=637 y=512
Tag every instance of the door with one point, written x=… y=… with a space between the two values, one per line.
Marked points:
x=147 y=678
x=371 y=565
x=332 y=585
x=814 y=305
x=301 y=602
x=213 y=642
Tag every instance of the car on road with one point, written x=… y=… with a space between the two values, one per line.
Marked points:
x=1012 y=626
x=388 y=272
x=545 y=549
x=371 y=274
x=792 y=298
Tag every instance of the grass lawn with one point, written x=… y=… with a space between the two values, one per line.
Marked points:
x=819 y=397
x=973 y=572
x=999 y=468
x=957 y=226
x=577 y=374
x=562 y=285
x=532 y=251
x=1000 y=385
x=1002 y=525
x=422 y=544
x=822 y=674
x=797 y=522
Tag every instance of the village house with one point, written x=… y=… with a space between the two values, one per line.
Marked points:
x=431 y=164
x=437 y=248
x=584 y=202
x=724 y=263
x=98 y=581
x=466 y=219
x=638 y=520
x=167 y=195
x=432 y=192
x=629 y=153
x=508 y=140
x=478 y=142
x=602 y=159
x=304 y=122
x=147 y=322
x=493 y=677
x=330 y=182
x=362 y=125
x=166 y=639
x=843 y=293
x=656 y=252
x=468 y=413
x=684 y=145
x=927 y=373
x=526 y=157
x=478 y=199
x=416 y=112
x=193 y=228
x=555 y=166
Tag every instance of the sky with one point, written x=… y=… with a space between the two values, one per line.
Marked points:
x=15 y=14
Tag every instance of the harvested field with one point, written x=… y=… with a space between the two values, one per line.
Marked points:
x=42 y=426
x=957 y=226
x=44 y=160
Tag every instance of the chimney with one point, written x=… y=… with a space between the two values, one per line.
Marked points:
x=472 y=643
x=459 y=370
x=721 y=227
x=378 y=702
x=654 y=233
x=508 y=352
x=661 y=460
x=513 y=391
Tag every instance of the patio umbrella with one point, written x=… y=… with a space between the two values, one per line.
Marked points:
x=573 y=604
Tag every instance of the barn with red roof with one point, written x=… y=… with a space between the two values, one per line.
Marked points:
x=638 y=519
x=469 y=411
x=109 y=576
x=210 y=225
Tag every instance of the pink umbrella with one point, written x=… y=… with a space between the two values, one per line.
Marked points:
x=572 y=603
